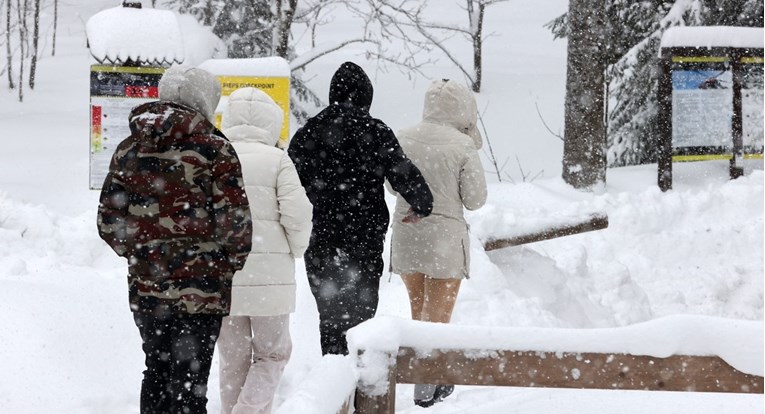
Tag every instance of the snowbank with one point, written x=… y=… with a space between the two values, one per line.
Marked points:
x=325 y=389
x=518 y=210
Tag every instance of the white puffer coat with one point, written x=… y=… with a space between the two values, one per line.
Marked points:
x=444 y=146
x=281 y=212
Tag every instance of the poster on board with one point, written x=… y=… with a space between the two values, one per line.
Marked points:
x=114 y=92
x=702 y=110
x=752 y=106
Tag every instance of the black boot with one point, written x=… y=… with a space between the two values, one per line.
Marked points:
x=439 y=393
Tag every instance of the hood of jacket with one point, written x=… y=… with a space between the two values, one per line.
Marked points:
x=192 y=87
x=252 y=116
x=161 y=123
x=351 y=85
x=450 y=103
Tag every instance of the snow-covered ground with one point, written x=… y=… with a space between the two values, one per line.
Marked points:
x=68 y=343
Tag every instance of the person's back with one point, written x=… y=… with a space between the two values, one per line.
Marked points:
x=447 y=157
x=343 y=157
x=255 y=342
x=174 y=206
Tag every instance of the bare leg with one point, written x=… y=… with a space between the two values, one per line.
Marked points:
x=439 y=298
x=415 y=287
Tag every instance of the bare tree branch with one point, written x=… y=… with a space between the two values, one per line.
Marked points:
x=545 y=123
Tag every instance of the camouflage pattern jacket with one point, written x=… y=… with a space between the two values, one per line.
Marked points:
x=173 y=204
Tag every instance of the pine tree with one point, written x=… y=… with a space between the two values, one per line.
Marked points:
x=634 y=35
x=246 y=27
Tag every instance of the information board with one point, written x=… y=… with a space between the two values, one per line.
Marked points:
x=114 y=92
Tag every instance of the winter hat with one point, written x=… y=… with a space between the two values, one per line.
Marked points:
x=252 y=115
x=451 y=103
x=352 y=85
x=193 y=87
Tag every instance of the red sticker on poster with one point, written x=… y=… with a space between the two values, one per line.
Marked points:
x=141 y=91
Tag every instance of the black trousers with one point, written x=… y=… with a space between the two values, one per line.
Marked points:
x=345 y=282
x=179 y=351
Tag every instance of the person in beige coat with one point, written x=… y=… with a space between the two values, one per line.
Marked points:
x=432 y=255
x=254 y=343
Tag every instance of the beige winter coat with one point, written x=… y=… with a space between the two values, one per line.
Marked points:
x=281 y=212
x=444 y=146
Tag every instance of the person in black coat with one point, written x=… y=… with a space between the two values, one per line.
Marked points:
x=343 y=157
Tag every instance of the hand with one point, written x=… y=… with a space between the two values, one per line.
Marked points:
x=411 y=217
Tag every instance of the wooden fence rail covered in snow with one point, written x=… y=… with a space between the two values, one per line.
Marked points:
x=594 y=222
x=556 y=370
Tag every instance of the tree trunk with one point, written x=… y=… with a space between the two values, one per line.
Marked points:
x=584 y=149
x=21 y=47
x=477 y=46
x=36 y=37
x=55 y=26
x=284 y=22
x=11 y=85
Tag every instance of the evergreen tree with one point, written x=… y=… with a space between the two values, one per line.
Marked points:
x=632 y=47
x=247 y=28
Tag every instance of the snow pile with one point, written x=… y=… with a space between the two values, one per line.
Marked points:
x=325 y=389
x=273 y=66
x=528 y=208
x=206 y=44
x=142 y=36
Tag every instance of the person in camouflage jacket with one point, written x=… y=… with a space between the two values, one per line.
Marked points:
x=173 y=204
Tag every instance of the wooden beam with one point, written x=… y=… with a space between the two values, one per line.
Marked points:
x=595 y=222
x=575 y=370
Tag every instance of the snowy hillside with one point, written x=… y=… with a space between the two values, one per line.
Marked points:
x=69 y=344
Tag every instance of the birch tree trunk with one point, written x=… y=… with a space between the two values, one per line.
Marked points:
x=22 y=50
x=36 y=37
x=584 y=148
x=55 y=26
x=11 y=85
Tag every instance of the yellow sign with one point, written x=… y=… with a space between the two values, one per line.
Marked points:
x=707 y=157
x=278 y=88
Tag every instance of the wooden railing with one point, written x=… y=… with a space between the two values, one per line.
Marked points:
x=594 y=222
x=556 y=370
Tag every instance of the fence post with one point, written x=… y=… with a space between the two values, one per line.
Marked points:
x=366 y=400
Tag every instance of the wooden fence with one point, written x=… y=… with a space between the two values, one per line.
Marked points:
x=556 y=370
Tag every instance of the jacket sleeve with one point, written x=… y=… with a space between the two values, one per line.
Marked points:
x=112 y=213
x=230 y=207
x=295 y=211
x=405 y=178
x=303 y=160
x=472 y=181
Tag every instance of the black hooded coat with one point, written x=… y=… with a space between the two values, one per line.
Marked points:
x=343 y=157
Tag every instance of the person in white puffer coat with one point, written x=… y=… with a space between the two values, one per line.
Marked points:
x=254 y=343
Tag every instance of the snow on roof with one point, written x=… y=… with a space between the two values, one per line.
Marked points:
x=738 y=342
x=273 y=66
x=143 y=36
x=713 y=36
